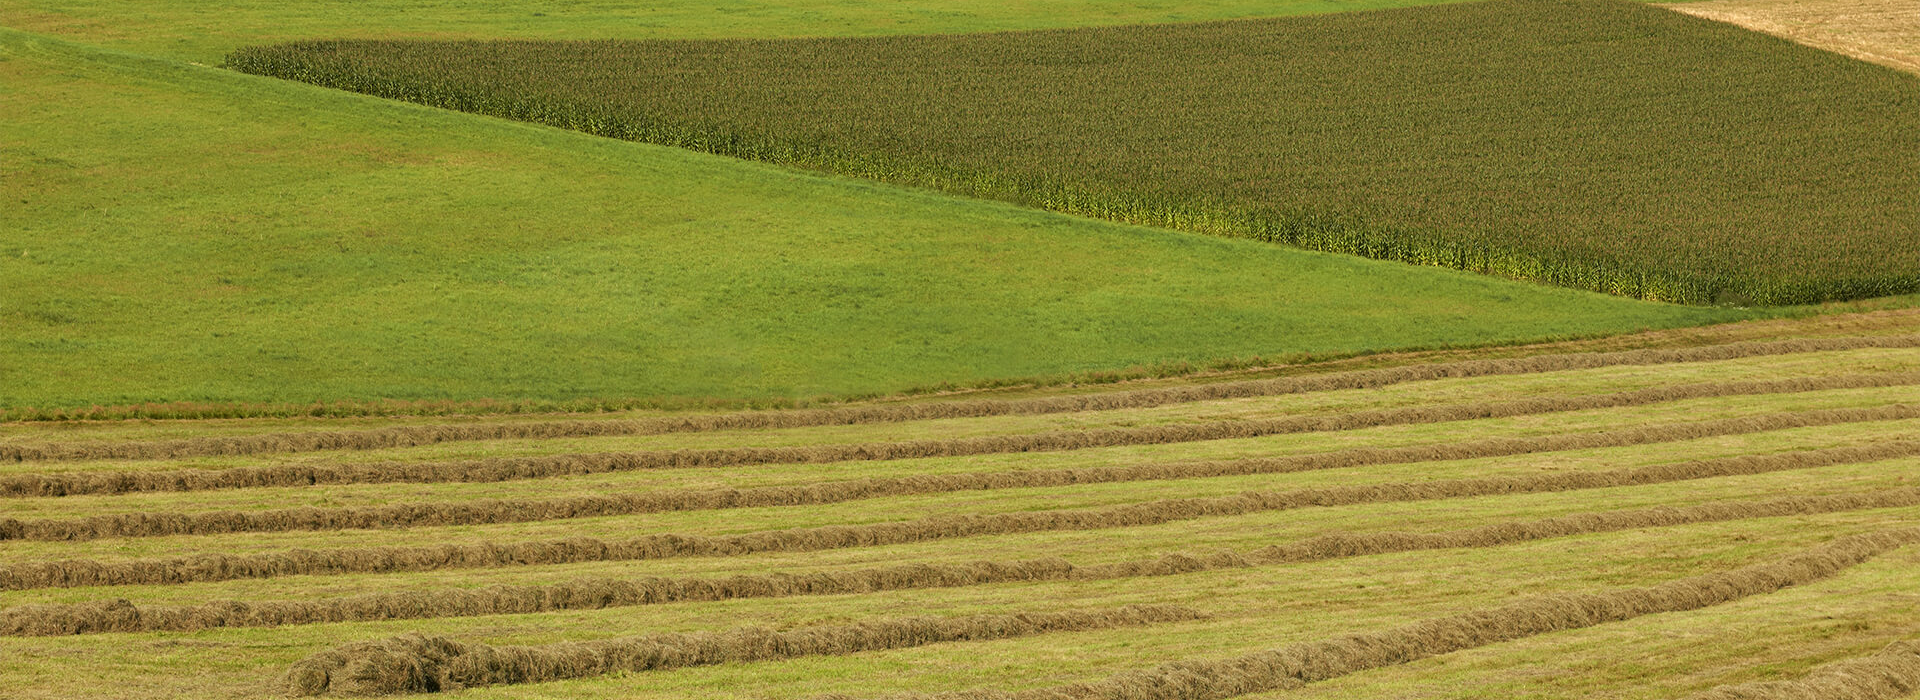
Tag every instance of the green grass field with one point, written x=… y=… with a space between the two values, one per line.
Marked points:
x=1607 y=146
x=1774 y=497
x=183 y=233
x=1727 y=499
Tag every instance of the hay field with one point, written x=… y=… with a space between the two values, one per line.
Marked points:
x=1729 y=512
x=1886 y=32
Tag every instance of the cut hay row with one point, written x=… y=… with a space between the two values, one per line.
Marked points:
x=1892 y=674
x=221 y=566
x=1298 y=664
x=1145 y=398
x=420 y=664
x=516 y=468
x=499 y=511
x=59 y=485
x=163 y=524
x=120 y=615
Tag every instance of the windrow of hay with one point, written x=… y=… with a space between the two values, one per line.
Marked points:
x=530 y=510
x=507 y=469
x=1891 y=674
x=409 y=436
x=1295 y=665
x=120 y=615
x=162 y=524
x=423 y=664
x=220 y=566
x=57 y=485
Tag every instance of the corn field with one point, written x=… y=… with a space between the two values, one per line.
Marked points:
x=1608 y=146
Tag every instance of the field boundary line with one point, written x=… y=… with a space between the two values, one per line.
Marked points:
x=120 y=615
x=1760 y=21
x=1141 y=398
x=1836 y=321
x=1295 y=665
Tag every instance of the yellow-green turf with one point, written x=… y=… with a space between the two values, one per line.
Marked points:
x=180 y=232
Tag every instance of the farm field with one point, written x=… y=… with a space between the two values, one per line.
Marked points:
x=162 y=28
x=305 y=392
x=1608 y=146
x=1886 y=32
x=1434 y=525
x=182 y=233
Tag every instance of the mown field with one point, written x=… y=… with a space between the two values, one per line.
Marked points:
x=1886 y=32
x=177 y=232
x=1607 y=146
x=1668 y=514
x=305 y=392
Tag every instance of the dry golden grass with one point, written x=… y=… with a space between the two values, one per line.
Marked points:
x=1886 y=32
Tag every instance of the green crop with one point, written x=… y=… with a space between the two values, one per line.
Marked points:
x=1608 y=146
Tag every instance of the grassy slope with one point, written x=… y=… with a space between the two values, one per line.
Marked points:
x=188 y=233
x=205 y=32
x=1660 y=656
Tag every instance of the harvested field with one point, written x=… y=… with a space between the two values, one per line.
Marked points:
x=1886 y=32
x=574 y=465
x=418 y=664
x=1294 y=666
x=1381 y=531
x=1891 y=674
x=122 y=616
x=659 y=546
x=1144 y=398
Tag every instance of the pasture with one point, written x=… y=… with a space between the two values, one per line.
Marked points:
x=180 y=233
x=1552 y=521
